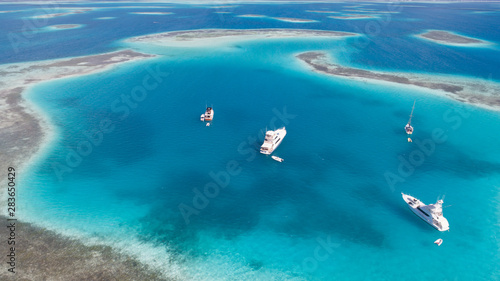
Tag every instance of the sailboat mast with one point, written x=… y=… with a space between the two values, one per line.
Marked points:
x=411 y=115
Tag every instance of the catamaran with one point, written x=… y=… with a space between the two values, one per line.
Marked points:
x=272 y=140
x=208 y=115
x=432 y=213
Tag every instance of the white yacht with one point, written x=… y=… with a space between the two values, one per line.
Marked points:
x=432 y=213
x=208 y=115
x=272 y=140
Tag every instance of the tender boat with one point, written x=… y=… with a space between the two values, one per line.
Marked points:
x=408 y=127
x=277 y=158
x=272 y=140
x=438 y=242
x=202 y=117
x=432 y=213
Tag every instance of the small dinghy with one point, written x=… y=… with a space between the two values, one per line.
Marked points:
x=277 y=158
x=438 y=242
x=202 y=118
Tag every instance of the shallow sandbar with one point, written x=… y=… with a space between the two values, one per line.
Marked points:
x=449 y=38
x=151 y=13
x=210 y=37
x=294 y=20
x=65 y=26
x=473 y=91
x=352 y=17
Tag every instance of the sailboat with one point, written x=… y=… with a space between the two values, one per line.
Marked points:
x=408 y=127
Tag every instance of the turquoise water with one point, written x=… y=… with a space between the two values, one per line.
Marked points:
x=328 y=212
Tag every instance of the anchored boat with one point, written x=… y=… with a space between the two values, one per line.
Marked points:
x=208 y=115
x=408 y=127
x=279 y=159
x=272 y=140
x=432 y=213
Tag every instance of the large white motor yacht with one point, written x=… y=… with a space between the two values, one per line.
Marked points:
x=272 y=140
x=432 y=213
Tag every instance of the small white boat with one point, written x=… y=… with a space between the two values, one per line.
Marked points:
x=408 y=127
x=277 y=158
x=438 y=242
x=432 y=213
x=272 y=140
x=202 y=118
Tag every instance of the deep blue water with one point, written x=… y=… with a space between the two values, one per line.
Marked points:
x=269 y=220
